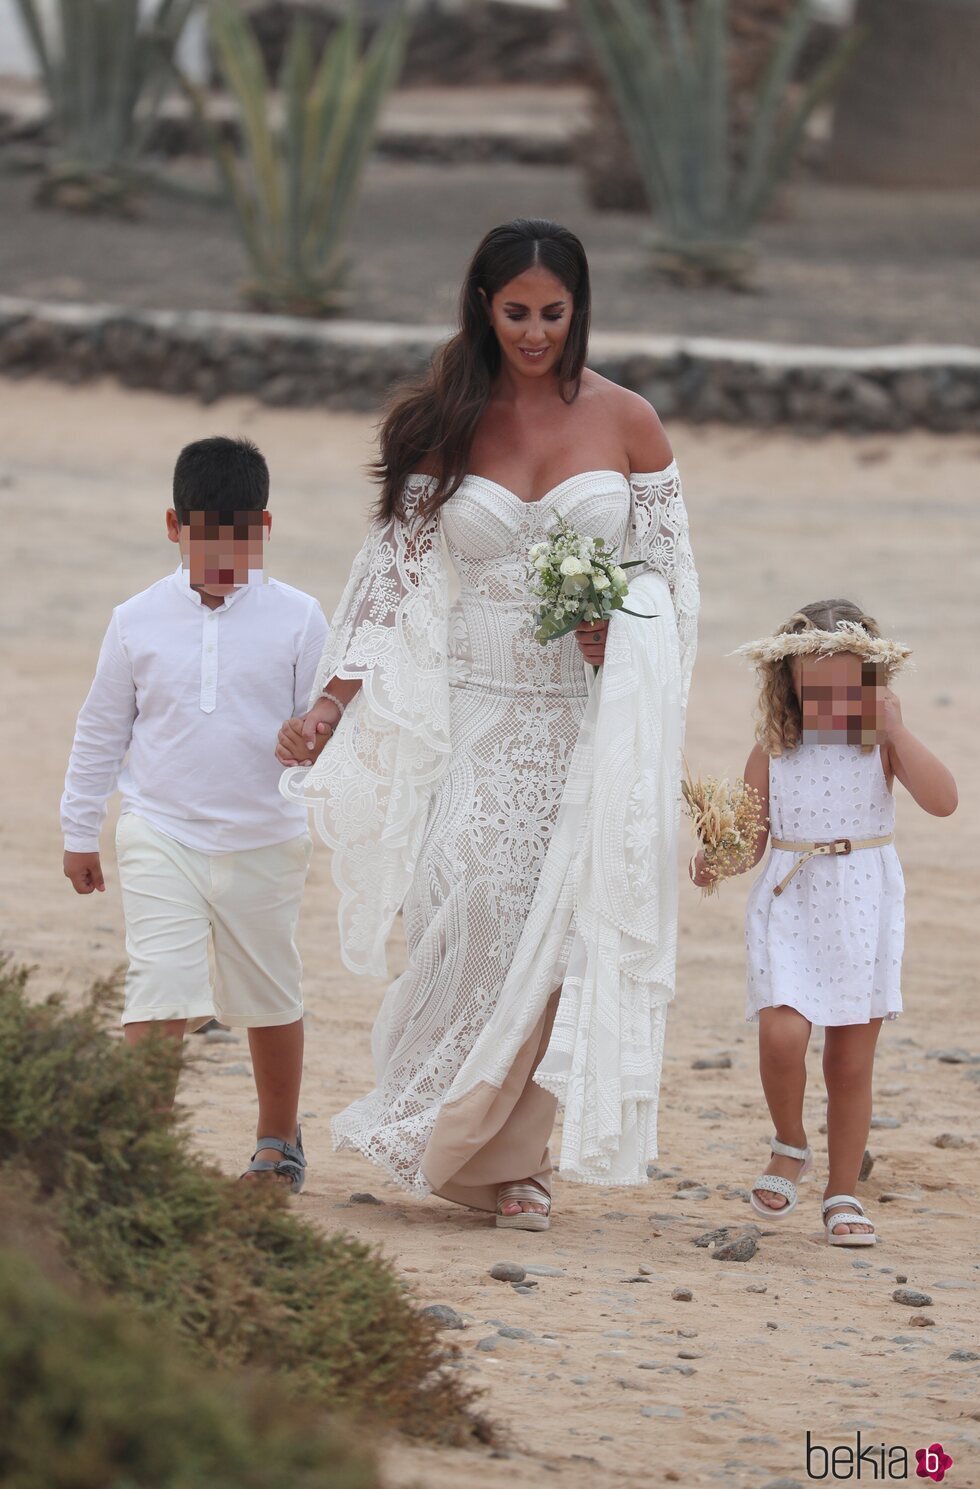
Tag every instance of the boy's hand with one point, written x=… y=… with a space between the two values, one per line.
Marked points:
x=85 y=872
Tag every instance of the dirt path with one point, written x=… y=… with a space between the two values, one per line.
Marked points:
x=618 y=1384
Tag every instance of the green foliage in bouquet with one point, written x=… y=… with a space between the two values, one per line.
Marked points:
x=295 y=187
x=228 y=1267
x=94 y=1398
x=576 y=579
x=668 y=75
x=104 y=66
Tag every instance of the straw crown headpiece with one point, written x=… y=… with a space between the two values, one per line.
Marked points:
x=812 y=641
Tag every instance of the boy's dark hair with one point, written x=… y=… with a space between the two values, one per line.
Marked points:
x=220 y=475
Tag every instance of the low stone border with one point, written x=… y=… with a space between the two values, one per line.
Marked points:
x=352 y=365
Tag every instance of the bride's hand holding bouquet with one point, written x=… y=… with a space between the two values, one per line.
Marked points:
x=579 y=583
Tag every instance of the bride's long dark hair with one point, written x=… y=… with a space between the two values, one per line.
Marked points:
x=433 y=418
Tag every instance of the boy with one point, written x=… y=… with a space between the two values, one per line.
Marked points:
x=193 y=680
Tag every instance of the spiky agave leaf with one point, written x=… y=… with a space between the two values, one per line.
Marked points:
x=668 y=77
x=102 y=65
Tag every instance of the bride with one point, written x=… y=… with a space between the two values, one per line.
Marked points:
x=521 y=815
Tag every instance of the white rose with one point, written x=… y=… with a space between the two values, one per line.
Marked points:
x=619 y=575
x=537 y=550
x=600 y=581
x=541 y=562
x=571 y=566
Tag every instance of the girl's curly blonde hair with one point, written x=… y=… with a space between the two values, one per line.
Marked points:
x=780 y=720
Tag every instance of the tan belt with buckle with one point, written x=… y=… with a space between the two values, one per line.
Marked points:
x=834 y=846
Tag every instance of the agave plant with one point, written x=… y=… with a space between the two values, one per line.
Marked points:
x=303 y=153
x=104 y=68
x=668 y=75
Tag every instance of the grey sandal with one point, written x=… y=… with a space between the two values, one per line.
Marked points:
x=292 y=1164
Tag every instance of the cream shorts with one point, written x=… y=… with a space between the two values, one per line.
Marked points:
x=173 y=897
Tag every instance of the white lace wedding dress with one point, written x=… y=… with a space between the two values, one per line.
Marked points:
x=467 y=746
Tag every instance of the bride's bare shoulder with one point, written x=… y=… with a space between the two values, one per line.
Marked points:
x=645 y=442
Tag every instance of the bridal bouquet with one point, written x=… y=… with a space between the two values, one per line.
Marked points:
x=576 y=579
x=726 y=819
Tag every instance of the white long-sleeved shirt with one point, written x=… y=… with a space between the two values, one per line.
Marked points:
x=196 y=697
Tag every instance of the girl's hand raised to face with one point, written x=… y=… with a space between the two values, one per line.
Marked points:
x=889 y=713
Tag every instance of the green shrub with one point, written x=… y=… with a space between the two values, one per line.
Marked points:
x=104 y=66
x=296 y=184
x=92 y=1398
x=667 y=70
x=229 y=1266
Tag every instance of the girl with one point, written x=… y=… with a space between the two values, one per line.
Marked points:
x=825 y=919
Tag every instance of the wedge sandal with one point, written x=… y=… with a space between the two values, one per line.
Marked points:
x=525 y=1194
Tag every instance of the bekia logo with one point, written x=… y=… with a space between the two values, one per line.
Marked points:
x=933 y=1462
x=873 y=1463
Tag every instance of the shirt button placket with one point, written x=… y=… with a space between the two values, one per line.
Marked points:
x=209 y=662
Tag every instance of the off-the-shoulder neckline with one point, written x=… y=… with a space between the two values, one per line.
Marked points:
x=634 y=476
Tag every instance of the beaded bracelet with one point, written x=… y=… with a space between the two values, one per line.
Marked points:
x=334 y=699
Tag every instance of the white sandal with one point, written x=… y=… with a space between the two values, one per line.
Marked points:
x=855 y=1216
x=525 y=1194
x=776 y=1184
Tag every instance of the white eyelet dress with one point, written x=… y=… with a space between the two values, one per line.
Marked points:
x=831 y=944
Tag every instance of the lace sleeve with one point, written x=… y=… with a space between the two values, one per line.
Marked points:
x=370 y=789
x=659 y=533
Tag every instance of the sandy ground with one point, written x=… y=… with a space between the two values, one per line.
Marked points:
x=800 y=1338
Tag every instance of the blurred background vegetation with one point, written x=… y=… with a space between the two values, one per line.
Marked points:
x=682 y=121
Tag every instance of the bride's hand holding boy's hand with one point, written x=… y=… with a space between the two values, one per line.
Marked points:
x=302 y=740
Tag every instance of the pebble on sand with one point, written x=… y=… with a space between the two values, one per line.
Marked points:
x=365 y=1199
x=712 y=1062
x=445 y=1317
x=508 y=1272
x=964 y=1355
x=682 y=1295
x=950 y=1140
x=922 y=1320
x=911 y=1297
x=867 y=1164
x=739 y=1249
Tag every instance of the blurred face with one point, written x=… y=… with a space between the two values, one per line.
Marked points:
x=221 y=550
x=531 y=316
x=839 y=698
